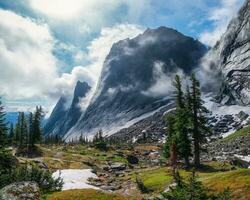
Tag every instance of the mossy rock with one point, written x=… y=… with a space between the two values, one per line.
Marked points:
x=20 y=191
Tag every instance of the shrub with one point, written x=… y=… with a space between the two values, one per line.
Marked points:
x=193 y=190
x=42 y=177
x=141 y=186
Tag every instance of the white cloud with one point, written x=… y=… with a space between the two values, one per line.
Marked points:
x=68 y=9
x=100 y=47
x=30 y=71
x=27 y=64
x=163 y=83
x=220 y=17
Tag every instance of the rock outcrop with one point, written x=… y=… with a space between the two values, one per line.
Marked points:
x=136 y=79
x=63 y=118
x=232 y=55
x=20 y=190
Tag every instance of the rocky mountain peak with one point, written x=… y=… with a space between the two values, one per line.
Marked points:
x=233 y=59
x=130 y=85
x=62 y=119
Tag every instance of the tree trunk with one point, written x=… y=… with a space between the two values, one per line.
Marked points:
x=196 y=153
x=186 y=160
x=173 y=156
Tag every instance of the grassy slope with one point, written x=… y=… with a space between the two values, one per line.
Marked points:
x=238 y=181
x=215 y=176
x=237 y=134
x=84 y=194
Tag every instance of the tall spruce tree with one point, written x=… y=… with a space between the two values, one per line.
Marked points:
x=181 y=122
x=11 y=134
x=170 y=148
x=6 y=159
x=37 y=131
x=200 y=128
x=23 y=130
x=31 y=130
x=3 y=127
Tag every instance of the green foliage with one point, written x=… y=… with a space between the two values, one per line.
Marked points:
x=99 y=141
x=28 y=129
x=237 y=134
x=7 y=161
x=199 y=127
x=140 y=185
x=3 y=127
x=42 y=177
x=193 y=190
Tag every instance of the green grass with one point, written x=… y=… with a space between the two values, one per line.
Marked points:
x=237 y=134
x=238 y=181
x=156 y=179
x=85 y=194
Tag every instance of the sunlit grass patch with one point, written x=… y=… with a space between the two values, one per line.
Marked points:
x=85 y=194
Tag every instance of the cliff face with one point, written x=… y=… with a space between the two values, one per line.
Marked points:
x=136 y=79
x=62 y=118
x=233 y=59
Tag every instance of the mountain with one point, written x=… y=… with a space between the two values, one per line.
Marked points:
x=136 y=79
x=63 y=118
x=232 y=56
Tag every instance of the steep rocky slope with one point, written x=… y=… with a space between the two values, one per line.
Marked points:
x=136 y=79
x=232 y=55
x=63 y=118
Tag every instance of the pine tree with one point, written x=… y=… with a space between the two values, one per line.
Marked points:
x=31 y=130
x=23 y=130
x=3 y=127
x=17 y=131
x=170 y=149
x=11 y=134
x=181 y=122
x=6 y=160
x=198 y=119
x=37 y=131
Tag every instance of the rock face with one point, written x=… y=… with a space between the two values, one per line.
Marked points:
x=20 y=190
x=232 y=55
x=235 y=150
x=56 y=116
x=62 y=119
x=136 y=79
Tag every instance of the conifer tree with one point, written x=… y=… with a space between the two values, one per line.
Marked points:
x=11 y=134
x=31 y=130
x=23 y=130
x=37 y=132
x=3 y=127
x=6 y=160
x=181 y=122
x=170 y=148
x=198 y=119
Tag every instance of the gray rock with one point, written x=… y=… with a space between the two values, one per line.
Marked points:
x=117 y=166
x=20 y=191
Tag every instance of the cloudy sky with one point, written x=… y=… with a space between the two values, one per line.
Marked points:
x=47 y=45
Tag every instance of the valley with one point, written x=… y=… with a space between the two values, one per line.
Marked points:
x=112 y=109
x=115 y=176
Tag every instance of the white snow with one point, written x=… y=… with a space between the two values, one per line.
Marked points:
x=245 y=158
x=218 y=109
x=75 y=178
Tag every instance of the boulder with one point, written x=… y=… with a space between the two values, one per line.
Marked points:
x=117 y=166
x=132 y=159
x=21 y=190
x=236 y=161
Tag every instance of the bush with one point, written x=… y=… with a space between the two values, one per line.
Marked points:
x=42 y=177
x=193 y=190
x=141 y=186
